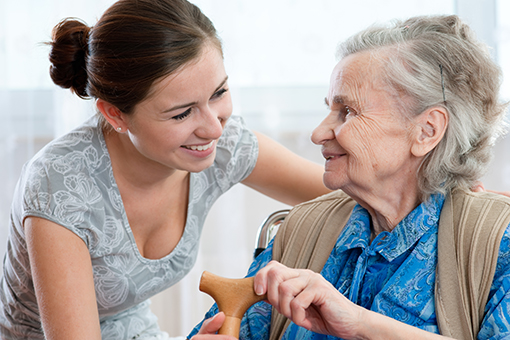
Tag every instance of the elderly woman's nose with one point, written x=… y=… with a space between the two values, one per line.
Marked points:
x=323 y=133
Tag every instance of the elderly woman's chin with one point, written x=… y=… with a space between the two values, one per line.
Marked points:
x=335 y=178
x=338 y=174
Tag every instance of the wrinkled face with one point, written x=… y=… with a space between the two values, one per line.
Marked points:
x=179 y=124
x=365 y=138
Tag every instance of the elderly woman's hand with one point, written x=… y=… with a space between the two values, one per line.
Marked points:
x=210 y=327
x=309 y=300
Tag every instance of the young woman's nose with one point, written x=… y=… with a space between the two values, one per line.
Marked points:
x=212 y=124
x=324 y=132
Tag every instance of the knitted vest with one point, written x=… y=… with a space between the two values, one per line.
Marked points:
x=470 y=229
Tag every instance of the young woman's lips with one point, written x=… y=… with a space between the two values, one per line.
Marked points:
x=200 y=149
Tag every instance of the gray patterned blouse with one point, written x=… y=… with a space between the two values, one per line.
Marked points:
x=70 y=182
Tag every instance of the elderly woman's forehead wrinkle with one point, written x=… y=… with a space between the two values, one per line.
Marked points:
x=349 y=90
x=357 y=74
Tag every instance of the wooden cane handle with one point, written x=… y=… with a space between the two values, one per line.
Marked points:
x=233 y=297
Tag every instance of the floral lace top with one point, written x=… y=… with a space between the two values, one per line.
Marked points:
x=70 y=182
x=393 y=275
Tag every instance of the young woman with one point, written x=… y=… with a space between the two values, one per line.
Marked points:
x=111 y=213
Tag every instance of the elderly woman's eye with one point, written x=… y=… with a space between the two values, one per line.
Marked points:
x=346 y=110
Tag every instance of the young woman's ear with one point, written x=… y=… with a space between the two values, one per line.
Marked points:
x=112 y=115
x=430 y=128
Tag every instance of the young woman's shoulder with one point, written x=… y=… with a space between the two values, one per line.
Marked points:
x=59 y=154
x=236 y=153
x=66 y=177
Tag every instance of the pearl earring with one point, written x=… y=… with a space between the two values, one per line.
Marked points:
x=119 y=129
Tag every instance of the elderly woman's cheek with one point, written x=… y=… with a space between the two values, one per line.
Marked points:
x=365 y=138
x=365 y=128
x=365 y=160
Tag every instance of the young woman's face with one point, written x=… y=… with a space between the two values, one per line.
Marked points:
x=178 y=125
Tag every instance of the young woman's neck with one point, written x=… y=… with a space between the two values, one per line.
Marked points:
x=130 y=167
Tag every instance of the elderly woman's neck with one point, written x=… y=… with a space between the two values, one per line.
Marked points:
x=389 y=208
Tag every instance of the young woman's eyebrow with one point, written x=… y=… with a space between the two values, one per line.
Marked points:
x=221 y=84
x=182 y=106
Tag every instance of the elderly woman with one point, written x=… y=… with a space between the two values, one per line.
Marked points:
x=406 y=251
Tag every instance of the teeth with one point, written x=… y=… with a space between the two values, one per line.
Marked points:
x=199 y=147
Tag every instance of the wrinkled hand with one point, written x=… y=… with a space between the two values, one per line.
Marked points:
x=309 y=300
x=210 y=327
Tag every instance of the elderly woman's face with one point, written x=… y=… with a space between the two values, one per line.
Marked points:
x=365 y=138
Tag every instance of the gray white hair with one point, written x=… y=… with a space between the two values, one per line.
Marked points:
x=437 y=61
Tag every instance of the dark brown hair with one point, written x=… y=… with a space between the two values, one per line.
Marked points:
x=134 y=44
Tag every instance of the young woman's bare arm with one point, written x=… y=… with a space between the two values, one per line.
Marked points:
x=285 y=176
x=63 y=281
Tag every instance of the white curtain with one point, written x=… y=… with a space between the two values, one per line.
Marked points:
x=278 y=54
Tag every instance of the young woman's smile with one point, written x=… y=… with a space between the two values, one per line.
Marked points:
x=200 y=148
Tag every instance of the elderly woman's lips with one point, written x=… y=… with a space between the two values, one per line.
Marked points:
x=333 y=156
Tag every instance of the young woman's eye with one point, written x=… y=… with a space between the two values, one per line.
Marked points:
x=182 y=115
x=219 y=93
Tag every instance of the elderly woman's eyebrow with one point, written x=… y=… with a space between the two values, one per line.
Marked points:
x=339 y=100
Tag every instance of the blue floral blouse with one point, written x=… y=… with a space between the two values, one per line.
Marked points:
x=394 y=275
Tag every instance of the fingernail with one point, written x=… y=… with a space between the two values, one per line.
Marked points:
x=258 y=290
